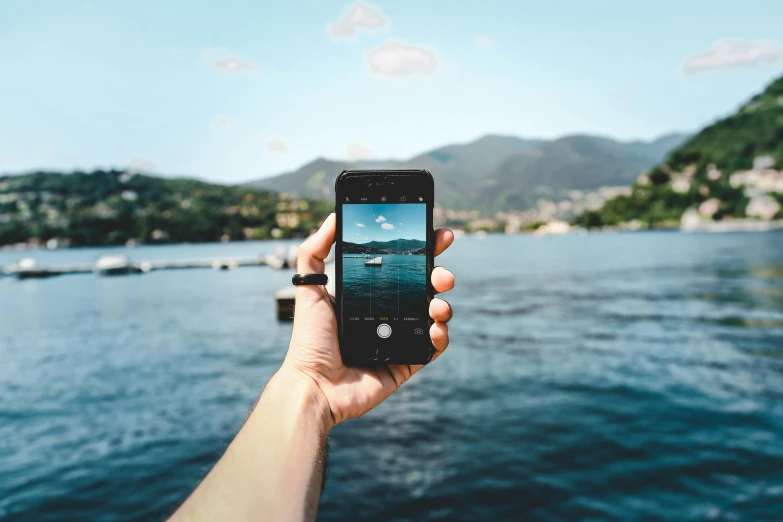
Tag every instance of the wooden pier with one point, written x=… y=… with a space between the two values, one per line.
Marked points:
x=114 y=265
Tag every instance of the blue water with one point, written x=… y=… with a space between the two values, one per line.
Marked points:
x=396 y=288
x=606 y=377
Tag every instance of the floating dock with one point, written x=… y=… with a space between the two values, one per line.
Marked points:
x=374 y=262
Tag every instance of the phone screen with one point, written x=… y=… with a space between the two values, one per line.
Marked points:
x=384 y=261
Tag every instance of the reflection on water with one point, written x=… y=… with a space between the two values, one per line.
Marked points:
x=620 y=377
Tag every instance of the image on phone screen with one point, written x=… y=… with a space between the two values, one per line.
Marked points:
x=384 y=264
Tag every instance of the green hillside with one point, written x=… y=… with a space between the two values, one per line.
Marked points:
x=702 y=169
x=113 y=207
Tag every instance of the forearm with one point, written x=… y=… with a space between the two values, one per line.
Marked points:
x=273 y=470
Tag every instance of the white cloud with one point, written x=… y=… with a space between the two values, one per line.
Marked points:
x=231 y=64
x=359 y=225
x=222 y=121
x=380 y=219
x=387 y=226
x=358 y=152
x=366 y=238
x=140 y=164
x=276 y=145
x=483 y=40
x=400 y=60
x=358 y=15
x=732 y=53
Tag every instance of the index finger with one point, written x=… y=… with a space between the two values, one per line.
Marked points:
x=311 y=254
x=444 y=237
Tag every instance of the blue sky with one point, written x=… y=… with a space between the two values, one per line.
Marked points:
x=231 y=91
x=363 y=223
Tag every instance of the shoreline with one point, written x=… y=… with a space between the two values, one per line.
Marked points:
x=717 y=227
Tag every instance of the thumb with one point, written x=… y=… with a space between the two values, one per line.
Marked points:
x=311 y=254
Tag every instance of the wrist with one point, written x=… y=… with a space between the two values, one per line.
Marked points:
x=301 y=393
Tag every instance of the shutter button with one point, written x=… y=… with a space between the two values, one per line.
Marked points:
x=384 y=331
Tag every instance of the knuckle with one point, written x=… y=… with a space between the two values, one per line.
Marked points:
x=303 y=249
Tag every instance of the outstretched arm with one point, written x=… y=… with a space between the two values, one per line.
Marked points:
x=273 y=469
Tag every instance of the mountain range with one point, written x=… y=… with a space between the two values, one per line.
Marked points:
x=499 y=172
x=395 y=246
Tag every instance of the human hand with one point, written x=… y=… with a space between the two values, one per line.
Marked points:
x=314 y=353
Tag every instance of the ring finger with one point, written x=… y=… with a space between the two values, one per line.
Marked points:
x=440 y=310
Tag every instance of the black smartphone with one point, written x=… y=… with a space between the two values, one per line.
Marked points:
x=384 y=258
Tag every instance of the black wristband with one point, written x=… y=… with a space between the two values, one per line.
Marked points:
x=310 y=279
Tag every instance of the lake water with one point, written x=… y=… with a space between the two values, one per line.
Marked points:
x=622 y=376
x=396 y=288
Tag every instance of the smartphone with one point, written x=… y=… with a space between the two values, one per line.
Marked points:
x=384 y=259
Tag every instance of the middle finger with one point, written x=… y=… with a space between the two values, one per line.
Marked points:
x=442 y=279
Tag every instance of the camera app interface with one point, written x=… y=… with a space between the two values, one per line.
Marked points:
x=384 y=250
